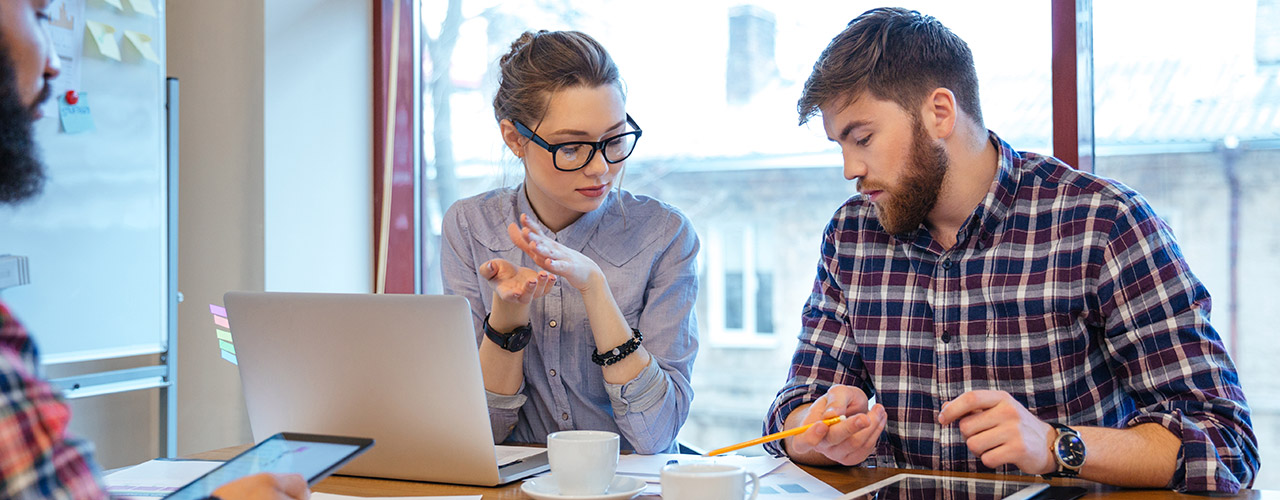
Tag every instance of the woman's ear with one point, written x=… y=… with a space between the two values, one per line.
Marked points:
x=515 y=142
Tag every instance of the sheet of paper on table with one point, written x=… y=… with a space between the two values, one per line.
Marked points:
x=155 y=478
x=779 y=478
x=507 y=454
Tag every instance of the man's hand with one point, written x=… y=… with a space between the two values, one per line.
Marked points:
x=265 y=486
x=1000 y=431
x=848 y=442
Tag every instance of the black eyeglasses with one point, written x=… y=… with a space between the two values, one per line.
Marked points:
x=571 y=156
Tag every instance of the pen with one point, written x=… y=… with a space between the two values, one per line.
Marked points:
x=772 y=437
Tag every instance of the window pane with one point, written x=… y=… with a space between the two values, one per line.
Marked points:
x=721 y=143
x=1191 y=123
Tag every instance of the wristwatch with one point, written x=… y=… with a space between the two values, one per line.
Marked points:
x=514 y=341
x=1068 y=450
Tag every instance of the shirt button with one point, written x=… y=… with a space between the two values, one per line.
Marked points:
x=564 y=416
x=946 y=337
x=552 y=324
x=946 y=264
x=553 y=373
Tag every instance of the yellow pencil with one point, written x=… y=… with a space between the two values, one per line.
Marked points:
x=772 y=437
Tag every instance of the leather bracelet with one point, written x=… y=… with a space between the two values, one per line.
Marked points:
x=618 y=353
x=514 y=341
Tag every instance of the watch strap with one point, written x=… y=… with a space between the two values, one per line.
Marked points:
x=515 y=341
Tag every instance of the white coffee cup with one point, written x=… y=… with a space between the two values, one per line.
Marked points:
x=705 y=481
x=582 y=462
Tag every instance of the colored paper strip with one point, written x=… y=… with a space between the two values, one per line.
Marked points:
x=226 y=346
x=229 y=357
x=221 y=321
x=114 y=3
x=218 y=310
x=223 y=335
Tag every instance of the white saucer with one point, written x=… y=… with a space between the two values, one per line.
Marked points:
x=545 y=488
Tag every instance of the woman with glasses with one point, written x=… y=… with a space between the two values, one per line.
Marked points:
x=582 y=293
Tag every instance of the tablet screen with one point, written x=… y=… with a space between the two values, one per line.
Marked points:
x=312 y=456
x=922 y=487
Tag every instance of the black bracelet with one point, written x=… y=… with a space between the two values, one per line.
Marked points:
x=619 y=352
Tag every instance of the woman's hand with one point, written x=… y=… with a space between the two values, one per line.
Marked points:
x=552 y=256
x=515 y=284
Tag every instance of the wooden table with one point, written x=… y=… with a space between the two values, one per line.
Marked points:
x=845 y=479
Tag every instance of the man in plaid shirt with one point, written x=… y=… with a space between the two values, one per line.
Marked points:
x=38 y=459
x=1007 y=312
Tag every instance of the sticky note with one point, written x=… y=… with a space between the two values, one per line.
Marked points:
x=104 y=38
x=218 y=310
x=75 y=118
x=221 y=321
x=142 y=7
x=229 y=357
x=143 y=44
x=226 y=346
x=114 y=3
x=223 y=335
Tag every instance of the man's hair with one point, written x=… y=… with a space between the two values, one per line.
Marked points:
x=892 y=54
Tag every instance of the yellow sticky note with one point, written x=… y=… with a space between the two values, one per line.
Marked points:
x=104 y=37
x=142 y=7
x=143 y=44
x=114 y=3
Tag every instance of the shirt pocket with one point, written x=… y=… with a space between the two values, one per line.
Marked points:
x=1034 y=358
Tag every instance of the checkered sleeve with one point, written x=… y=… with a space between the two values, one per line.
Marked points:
x=37 y=457
x=1168 y=357
x=825 y=355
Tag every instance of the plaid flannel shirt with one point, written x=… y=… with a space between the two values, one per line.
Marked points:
x=37 y=457
x=1063 y=289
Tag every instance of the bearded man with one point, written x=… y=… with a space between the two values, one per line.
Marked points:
x=1007 y=312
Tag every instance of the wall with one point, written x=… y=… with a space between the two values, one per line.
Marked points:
x=216 y=50
x=275 y=193
x=319 y=145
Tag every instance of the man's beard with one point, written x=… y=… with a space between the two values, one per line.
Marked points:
x=910 y=202
x=21 y=173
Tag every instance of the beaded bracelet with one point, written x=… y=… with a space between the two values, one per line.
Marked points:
x=619 y=352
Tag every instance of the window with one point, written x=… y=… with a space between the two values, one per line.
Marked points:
x=715 y=90
x=1193 y=123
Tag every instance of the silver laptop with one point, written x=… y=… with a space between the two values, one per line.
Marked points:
x=401 y=369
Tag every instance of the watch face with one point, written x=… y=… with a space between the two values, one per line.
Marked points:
x=1071 y=450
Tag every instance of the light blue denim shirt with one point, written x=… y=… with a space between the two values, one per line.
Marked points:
x=647 y=251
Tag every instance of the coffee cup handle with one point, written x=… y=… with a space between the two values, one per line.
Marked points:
x=755 y=485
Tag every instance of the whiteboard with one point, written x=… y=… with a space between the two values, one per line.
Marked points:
x=97 y=238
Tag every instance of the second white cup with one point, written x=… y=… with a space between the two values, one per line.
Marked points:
x=583 y=462
x=707 y=482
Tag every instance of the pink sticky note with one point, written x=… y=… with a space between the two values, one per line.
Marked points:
x=221 y=321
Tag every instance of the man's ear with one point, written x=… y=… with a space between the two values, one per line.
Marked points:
x=515 y=142
x=940 y=113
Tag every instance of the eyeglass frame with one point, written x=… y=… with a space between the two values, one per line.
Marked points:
x=595 y=146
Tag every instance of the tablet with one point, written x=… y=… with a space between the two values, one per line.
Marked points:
x=313 y=456
x=922 y=487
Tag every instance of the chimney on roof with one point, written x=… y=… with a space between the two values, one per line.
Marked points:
x=751 y=56
x=1266 y=35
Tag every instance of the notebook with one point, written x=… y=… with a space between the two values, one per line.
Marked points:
x=401 y=369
